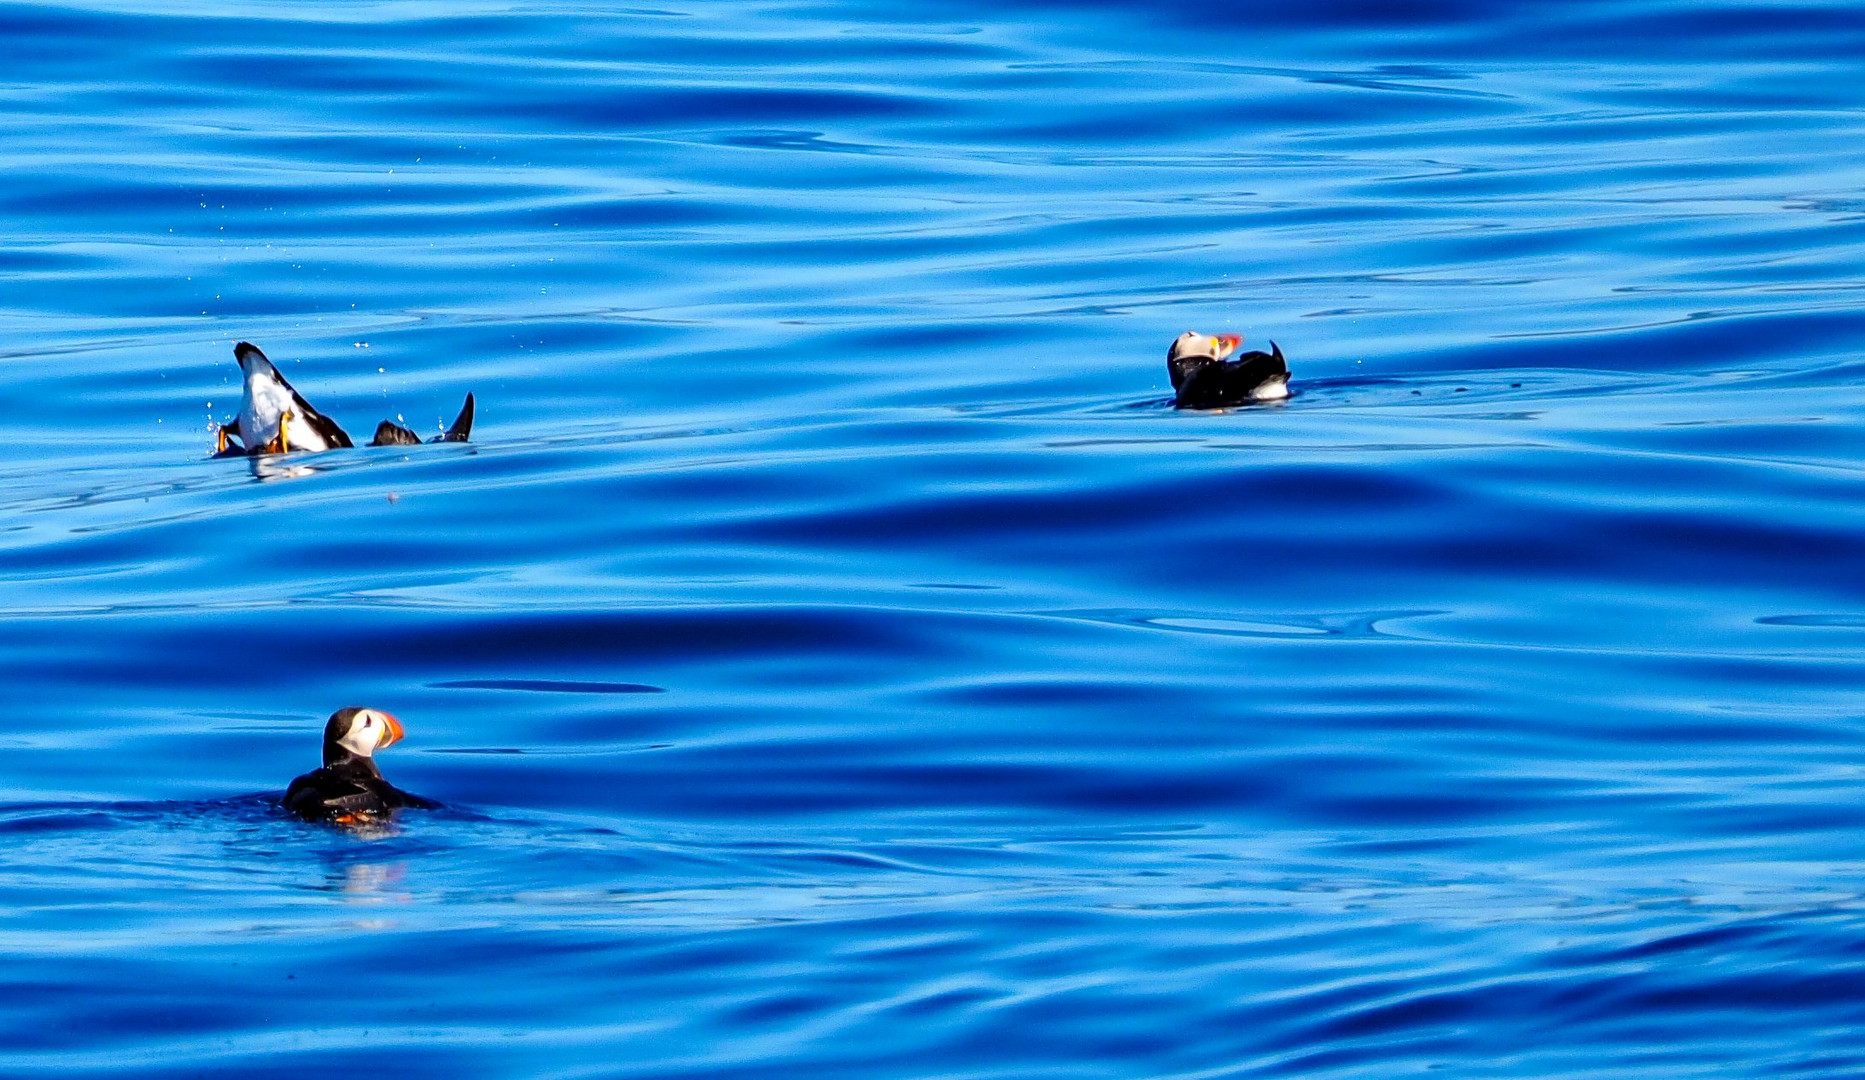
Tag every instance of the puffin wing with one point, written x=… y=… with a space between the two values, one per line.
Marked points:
x=332 y=434
x=408 y=798
x=462 y=424
x=323 y=792
x=320 y=423
x=1258 y=367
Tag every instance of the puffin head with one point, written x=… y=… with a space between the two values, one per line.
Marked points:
x=1192 y=350
x=359 y=732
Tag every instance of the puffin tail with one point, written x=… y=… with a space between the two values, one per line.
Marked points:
x=1276 y=350
x=462 y=424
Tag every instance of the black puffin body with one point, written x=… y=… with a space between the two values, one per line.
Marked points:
x=275 y=419
x=349 y=788
x=389 y=433
x=1203 y=379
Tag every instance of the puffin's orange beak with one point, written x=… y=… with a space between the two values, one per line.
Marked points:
x=391 y=731
x=1225 y=344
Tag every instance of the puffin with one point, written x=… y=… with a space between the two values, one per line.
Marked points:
x=274 y=418
x=349 y=789
x=1203 y=379
x=389 y=433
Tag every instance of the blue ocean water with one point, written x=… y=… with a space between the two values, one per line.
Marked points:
x=836 y=656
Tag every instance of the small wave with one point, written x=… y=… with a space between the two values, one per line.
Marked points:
x=550 y=686
x=1341 y=625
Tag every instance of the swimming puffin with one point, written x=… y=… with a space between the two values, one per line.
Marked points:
x=1203 y=379
x=349 y=789
x=389 y=433
x=274 y=418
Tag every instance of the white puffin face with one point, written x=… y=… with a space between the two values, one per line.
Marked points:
x=1193 y=345
x=370 y=730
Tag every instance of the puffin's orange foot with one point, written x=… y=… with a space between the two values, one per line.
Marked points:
x=282 y=441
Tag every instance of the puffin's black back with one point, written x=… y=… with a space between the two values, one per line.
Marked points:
x=347 y=788
x=353 y=787
x=389 y=433
x=1204 y=383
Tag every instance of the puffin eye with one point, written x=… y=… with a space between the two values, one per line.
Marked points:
x=368 y=720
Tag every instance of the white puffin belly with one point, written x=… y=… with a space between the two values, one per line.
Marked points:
x=1272 y=391
x=306 y=437
x=264 y=402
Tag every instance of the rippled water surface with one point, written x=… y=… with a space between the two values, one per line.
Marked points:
x=834 y=653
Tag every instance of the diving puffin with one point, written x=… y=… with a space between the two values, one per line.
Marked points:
x=349 y=789
x=274 y=418
x=1204 y=379
x=389 y=433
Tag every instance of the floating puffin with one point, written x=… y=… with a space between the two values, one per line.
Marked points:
x=389 y=433
x=349 y=789
x=1204 y=379
x=275 y=419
